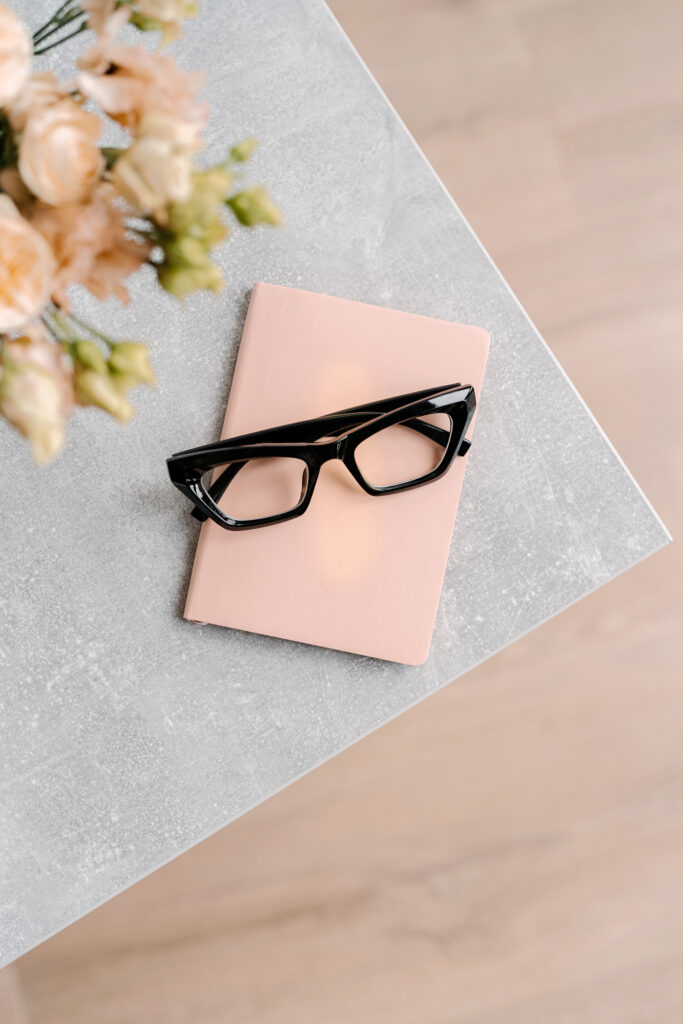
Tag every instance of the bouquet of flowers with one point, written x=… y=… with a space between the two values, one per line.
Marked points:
x=75 y=212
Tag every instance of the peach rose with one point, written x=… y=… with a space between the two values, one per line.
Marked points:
x=26 y=268
x=91 y=245
x=11 y=183
x=59 y=159
x=157 y=169
x=127 y=81
x=41 y=90
x=16 y=50
x=36 y=390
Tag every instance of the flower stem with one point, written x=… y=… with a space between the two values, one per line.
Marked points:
x=149 y=236
x=57 y=328
x=57 y=14
x=65 y=344
x=58 y=42
x=67 y=10
x=85 y=326
x=62 y=23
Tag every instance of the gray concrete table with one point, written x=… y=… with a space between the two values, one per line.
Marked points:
x=127 y=734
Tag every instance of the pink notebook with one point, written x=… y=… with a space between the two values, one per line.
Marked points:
x=355 y=572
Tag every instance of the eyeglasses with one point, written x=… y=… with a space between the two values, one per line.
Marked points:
x=269 y=476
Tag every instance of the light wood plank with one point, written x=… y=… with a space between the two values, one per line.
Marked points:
x=12 y=1004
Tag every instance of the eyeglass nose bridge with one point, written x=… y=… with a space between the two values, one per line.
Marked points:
x=329 y=448
x=332 y=454
x=342 y=444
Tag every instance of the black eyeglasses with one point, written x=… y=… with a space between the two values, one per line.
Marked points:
x=269 y=476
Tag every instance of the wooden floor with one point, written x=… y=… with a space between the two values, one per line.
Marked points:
x=511 y=851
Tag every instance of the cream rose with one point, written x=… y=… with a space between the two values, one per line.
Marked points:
x=16 y=50
x=26 y=268
x=157 y=169
x=59 y=159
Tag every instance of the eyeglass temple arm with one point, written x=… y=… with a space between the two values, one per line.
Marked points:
x=387 y=404
x=336 y=422
x=330 y=426
x=429 y=430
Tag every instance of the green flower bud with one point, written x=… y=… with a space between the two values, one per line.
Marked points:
x=214 y=183
x=186 y=251
x=215 y=232
x=145 y=23
x=130 y=360
x=254 y=206
x=89 y=355
x=101 y=390
x=183 y=216
x=183 y=280
x=243 y=150
x=209 y=190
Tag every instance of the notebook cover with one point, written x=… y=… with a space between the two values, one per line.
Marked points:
x=357 y=573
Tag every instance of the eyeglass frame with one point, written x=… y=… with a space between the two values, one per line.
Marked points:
x=334 y=437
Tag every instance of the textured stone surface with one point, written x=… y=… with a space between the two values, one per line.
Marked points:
x=127 y=734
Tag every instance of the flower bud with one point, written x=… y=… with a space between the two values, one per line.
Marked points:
x=209 y=191
x=254 y=206
x=214 y=183
x=33 y=403
x=186 y=251
x=214 y=232
x=183 y=280
x=131 y=360
x=243 y=150
x=164 y=16
x=89 y=355
x=101 y=390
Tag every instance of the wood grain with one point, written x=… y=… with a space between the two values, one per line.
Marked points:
x=511 y=850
